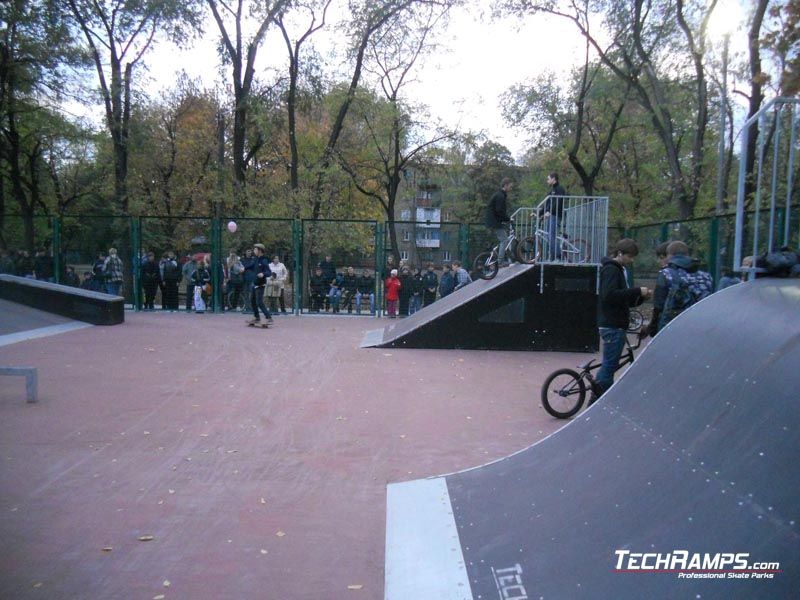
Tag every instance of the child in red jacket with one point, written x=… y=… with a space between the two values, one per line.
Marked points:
x=393 y=286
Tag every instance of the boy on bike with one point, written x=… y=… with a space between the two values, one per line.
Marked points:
x=497 y=218
x=613 y=308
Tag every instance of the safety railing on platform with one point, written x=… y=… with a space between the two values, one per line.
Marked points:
x=767 y=167
x=568 y=229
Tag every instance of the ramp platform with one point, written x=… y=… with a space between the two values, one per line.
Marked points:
x=520 y=309
x=681 y=482
x=82 y=305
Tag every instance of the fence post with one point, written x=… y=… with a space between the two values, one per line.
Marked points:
x=713 y=249
x=216 y=263
x=297 y=249
x=380 y=258
x=57 y=249
x=136 y=262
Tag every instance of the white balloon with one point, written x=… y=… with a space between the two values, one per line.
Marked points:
x=232 y=226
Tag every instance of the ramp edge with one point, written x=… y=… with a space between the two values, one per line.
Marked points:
x=424 y=559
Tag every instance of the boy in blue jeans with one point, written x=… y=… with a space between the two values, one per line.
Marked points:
x=613 y=308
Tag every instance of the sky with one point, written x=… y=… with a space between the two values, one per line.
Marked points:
x=462 y=83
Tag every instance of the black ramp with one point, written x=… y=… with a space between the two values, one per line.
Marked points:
x=522 y=308
x=693 y=450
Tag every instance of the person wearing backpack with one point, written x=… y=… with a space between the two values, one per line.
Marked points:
x=680 y=284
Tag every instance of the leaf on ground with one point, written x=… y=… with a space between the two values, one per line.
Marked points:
x=280 y=534
x=263 y=551
x=167 y=583
x=263 y=501
x=146 y=538
x=357 y=586
x=38 y=584
x=107 y=548
x=159 y=597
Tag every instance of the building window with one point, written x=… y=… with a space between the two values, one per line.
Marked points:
x=405 y=215
x=403 y=254
x=406 y=235
x=446 y=256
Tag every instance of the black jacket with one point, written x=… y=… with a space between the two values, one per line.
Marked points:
x=616 y=298
x=555 y=201
x=496 y=212
x=261 y=267
x=366 y=284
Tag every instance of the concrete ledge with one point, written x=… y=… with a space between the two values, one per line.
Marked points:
x=74 y=303
x=31 y=379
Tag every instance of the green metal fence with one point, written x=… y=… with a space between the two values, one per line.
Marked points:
x=80 y=241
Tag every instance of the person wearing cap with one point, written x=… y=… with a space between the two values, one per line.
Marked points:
x=262 y=272
x=392 y=286
x=613 y=309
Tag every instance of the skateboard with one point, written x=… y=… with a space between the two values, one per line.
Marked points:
x=262 y=325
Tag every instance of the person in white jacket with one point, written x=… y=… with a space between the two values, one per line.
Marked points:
x=281 y=274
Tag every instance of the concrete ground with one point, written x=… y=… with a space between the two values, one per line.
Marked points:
x=189 y=456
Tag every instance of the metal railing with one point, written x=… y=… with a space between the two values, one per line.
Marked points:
x=768 y=184
x=579 y=236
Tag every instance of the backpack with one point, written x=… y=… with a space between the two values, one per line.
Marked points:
x=685 y=289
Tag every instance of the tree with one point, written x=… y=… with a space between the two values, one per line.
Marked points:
x=241 y=55
x=119 y=34
x=34 y=46
x=652 y=42
x=395 y=137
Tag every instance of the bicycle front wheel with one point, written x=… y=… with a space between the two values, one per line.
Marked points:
x=486 y=265
x=563 y=393
x=527 y=251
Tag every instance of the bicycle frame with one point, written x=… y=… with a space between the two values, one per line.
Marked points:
x=626 y=359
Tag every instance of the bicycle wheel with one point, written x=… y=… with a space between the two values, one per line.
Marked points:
x=486 y=265
x=527 y=251
x=563 y=393
x=579 y=251
x=635 y=321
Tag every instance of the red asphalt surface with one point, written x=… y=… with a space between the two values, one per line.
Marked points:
x=256 y=459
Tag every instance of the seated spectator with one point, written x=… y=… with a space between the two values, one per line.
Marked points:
x=87 y=283
x=317 y=288
x=335 y=292
x=366 y=289
x=7 y=266
x=349 y=288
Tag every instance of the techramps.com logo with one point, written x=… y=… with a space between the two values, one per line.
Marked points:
x=696 y=565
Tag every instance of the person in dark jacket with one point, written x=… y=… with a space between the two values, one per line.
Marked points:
x=447 y=282
x=170 y=273
x=334 y=293
x=151 y=278
x=430 y=282
x=405 y=291
x=553 y=214
x=349 y=288
x=677 y=260
x=318 y=288
x=262 y=273
x=417 y=288
x=497 y=218
x=199 y=278
x=613 y=308
x=71 y=277
x=366 y=289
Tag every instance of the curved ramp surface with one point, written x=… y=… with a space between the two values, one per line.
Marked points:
x=691 y=456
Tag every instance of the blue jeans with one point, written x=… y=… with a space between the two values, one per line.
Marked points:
x=553 y=247
x=414 y=304
x=257 y=302
x=360 y=295
x=502 y=239
x=113 y=287
x=613 y=344
x=334 y=297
